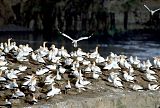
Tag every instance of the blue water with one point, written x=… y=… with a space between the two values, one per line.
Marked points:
x=143 y=49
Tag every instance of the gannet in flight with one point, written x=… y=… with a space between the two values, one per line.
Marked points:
x=74 y=41
x=151 y=11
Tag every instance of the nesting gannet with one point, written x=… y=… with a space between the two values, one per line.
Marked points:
x=95 y=68
x=52 y=67
x=68 y=61
x=68 y=86
x=54 y=49
x=127 y=65
x=99 y=59
x=86 y=62
x=112 y=76
x=131 y=59
x=131 y=71
x=53 y=91
x=6 y=49
x=22 y=68
x=150 y=77
x=3 y=68
x=117 y=82
x=151 y=11
x=136 y=60
x=19 y=93
x=42 y=71
x=1 y=46
x=73 y=40
x=153 y=87
x=10 y=75
x=61 y=69
x=95 y=75
x=156 y=62
x=12 y=85
x=32 y=84
x=84 y=82
x=40 y=59
x=95 y=53
x=88 y=69
x=79 y=52
x=128 y=77
x=150 y=71
x=107 y=66
x=80 y=58
x=78 y=85
x=136 y=87
x=148 y=63
x=63 y=52
x=3 y=63
x=58 y=76
x=75 y=72
x=49 y=79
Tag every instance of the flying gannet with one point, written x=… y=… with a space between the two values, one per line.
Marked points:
x=74 y=41
x=151 y=11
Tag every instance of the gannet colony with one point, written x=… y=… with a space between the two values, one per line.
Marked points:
x=31 y=75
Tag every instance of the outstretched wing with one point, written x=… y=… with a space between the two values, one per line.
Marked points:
x=90 y=35
x=157 y=10
x=147 y=8
x=82 y=38
x=63 y=34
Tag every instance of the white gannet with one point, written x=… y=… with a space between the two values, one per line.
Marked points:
x=68 y=61
x=61 y=69
x=10 y=75
x=95 y=68
x=153 y=87
x=22 y=68
x=32 y=84
x=68 y=86
x=63 y=52
x=107 y=66
x=148 y=63
x=99 y=59
x=53 y=91
x=151 y=11
x=95 y=53
x=52 y=67
x=58 y=76
x=117 y=82
x=88 y=68
x=150 y=77
x=42 y=71
x=136 y=87
x=49 y=79
x=112 y=76
x=95 y=75
x=54 y=49
x=78 y=85
x=12 y=85
x=79 y=52
x=128 y=77
x=150 y=71
x=3 y=63
x=73 y=40
x=84 y=82
x=19 y=93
